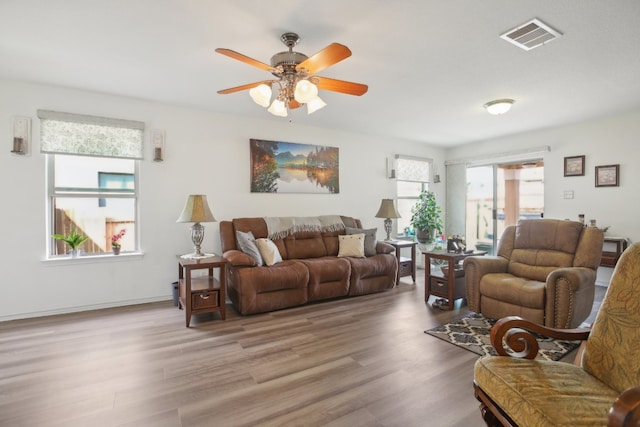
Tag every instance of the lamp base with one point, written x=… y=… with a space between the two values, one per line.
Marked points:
x=196 y=256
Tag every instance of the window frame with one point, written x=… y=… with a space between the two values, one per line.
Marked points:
x=80 y=193
x=424 y=186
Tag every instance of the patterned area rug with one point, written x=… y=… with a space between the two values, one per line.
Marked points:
x=472 y=333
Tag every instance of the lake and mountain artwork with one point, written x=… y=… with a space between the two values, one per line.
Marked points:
x=288 y=167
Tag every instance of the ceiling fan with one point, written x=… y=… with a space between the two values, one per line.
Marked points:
x=297 y=82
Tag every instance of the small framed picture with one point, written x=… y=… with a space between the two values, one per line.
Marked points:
x=574 y=166
x=607 y=176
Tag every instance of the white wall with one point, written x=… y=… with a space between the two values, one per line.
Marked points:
x=613 y=140
x=205 y=153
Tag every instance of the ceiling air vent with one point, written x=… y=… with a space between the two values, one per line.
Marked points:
x=531 y=34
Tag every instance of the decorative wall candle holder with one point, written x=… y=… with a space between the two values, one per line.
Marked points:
x=21 y=130
x=157 y=143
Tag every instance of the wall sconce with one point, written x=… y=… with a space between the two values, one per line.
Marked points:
x=391 y=168
x=436 y=175
x=157 y=143
x=21 y=127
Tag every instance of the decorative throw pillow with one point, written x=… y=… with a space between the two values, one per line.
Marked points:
x=269 y=251
x=351 y=245
x=370 y=240
x=247 y=244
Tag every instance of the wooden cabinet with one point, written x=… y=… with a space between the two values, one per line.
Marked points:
x=202 y=294
x=613 y=248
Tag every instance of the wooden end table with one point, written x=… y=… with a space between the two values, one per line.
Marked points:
x=203 y=294
x=450 y=286
x=406 y=266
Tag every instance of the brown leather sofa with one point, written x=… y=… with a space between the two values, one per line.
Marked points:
x=310 y=269
x=545 y=272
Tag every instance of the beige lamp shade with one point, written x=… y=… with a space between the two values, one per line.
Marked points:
x=196 y=210
x=387 y=209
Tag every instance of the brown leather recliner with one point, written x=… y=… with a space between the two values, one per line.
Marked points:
x=545 y=272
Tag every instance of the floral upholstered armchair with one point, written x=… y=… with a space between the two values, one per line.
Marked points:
x=601 y=388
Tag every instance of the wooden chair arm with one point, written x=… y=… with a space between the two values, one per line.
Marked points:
x=518 y=337
x=625 y=411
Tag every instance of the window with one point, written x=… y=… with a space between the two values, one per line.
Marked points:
x=92 y=170
x=412 y=178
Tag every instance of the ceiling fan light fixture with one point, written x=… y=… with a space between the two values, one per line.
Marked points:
x=261 y=95
x=499 y=106
x=305 y=91
x=315 y=104
x=278 y=108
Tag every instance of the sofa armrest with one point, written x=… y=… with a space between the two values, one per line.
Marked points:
x=474 y=268
x=384 y=248
x=572 y=287
x=626 y=409
x=517 y=335
x=239 y=259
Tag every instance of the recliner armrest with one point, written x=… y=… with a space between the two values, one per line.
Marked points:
x=474 y=268
x=239 y=259
x=384 y=248
x=570 y=292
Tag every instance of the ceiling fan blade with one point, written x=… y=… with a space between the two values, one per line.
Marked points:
x=244 y=87
x=328 y=56
x=341 y=86
x=293 y=104
x=240 y=57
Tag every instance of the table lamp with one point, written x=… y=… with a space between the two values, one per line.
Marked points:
x=196 y=210
x=387 y=210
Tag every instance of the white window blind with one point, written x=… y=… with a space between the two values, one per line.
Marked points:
x=78 y=134
x=412 y=169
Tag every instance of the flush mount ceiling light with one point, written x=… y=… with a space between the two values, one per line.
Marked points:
x=499 y=106
x=297 y=83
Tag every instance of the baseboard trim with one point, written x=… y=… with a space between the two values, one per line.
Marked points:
x=67 y=310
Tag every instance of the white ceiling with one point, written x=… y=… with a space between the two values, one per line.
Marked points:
x=430 y=64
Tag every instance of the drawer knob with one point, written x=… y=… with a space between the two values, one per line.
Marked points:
x=204 y=296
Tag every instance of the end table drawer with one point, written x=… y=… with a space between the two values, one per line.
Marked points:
x=204 y=300
x=439 y=286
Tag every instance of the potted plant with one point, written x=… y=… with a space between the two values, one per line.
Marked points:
x=115 y=241
x=425 y=218
x=73 y=239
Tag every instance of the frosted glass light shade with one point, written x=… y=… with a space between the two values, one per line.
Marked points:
x=278 y=108
x=261 y=95
x=305 y=91
x=315 y=104
x=499 y=106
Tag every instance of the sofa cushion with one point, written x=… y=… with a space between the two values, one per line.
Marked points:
x=351 y=245
x=305 y=244
x=247 y=244
x=268 y=251
x=544 y=393
x=369 y=239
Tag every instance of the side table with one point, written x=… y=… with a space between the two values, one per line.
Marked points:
x=406 y=266
x=451 y=285
x=202 y=294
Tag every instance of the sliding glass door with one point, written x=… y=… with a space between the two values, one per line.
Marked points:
x=499 y=195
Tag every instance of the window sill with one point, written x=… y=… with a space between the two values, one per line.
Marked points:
x=88 y=259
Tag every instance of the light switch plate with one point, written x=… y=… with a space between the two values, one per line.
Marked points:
x=568 y=194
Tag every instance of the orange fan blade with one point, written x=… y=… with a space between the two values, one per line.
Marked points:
x=341 y=86
x=244 y=87
x=328 y=56
x=293 y=104
x=240 y=57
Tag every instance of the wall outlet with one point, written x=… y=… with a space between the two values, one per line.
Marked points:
x=568 y=194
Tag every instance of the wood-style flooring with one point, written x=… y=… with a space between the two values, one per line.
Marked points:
x=361 y=361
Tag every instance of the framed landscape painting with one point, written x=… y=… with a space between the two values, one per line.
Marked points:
x=289 y=167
